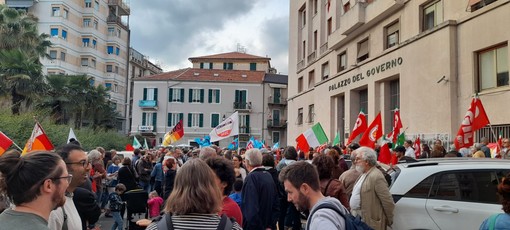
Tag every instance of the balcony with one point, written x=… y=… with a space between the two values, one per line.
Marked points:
x=276 y=124
x=123 y=7
x=324 y=48
x=148 y=104
x=243 y=130
x=276 y=100
x=117 y=20
x=242 y=106
x=352 y=19
x=311 y=57
x=300 y=65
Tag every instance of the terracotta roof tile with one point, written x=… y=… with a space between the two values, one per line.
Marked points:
x=231 y=55
x=208 y=75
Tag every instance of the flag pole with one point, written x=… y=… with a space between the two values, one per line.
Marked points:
x=14 y=143
x=495 y=137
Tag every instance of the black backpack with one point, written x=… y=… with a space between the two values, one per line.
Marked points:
x=165 y=223
x=351 y=222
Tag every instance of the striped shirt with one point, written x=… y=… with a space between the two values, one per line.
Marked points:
x=194 y=222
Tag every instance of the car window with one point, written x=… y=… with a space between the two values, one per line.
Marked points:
x=469 y=186
x=422 y=189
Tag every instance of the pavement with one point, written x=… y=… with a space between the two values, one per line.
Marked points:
x=106 y=223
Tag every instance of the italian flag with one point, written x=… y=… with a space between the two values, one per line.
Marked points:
x=312 y=137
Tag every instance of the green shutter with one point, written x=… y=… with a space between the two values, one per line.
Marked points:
x=247 y=123
x=144 y=119
x=217 y=96
x=201 y=120
x=156 y=94
x=144 y=94
x=201 y=65
x=190 y=95
x=202 y=94
x=169 y=122
x=154 y=120
x=189 y=119
x=253 y=66
x=236 y=98
x=210 y=96
x=181 y=116
x=182 y=96
x=170 y=94
x=214 y=120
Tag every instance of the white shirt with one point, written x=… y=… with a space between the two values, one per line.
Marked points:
x=410 y=152
x=355 y=201
x=56 y=219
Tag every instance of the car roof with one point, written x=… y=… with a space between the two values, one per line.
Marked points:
x=413 y=173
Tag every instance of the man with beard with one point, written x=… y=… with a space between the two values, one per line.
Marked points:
x=371 y=198
x=78 y=165
x=301 y=182
x=37 y=183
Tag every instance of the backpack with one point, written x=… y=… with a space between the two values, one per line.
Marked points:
x=351 y=222
x=165 y=223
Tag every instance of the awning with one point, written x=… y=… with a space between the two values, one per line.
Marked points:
x=19 y=3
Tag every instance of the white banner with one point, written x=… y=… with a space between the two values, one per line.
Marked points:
x=229 y=127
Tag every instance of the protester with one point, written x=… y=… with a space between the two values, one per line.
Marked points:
x=116 y=206
x=259 y=195
x=207 y=152
x=301 y=182
x=79 y=166
x=236 y=195
x=349 y=177
x=126 y=175
x=289 y=215
x=195 y=200
x=225 y=178
x=476 y=150
x=85 y=202
x=500 y=220
x=505 y=150
x=371 y=198
x=169 y=177
x=98 y=174
x=158 y=175
x=144 y=169
x=401 y=152
x=425 y=151
x=485 y=149
x=409 y=151
x=154 y=203
x=112 y=173
x=335 y=155
x=37 y=184
x=239 y=169
x=329 y=186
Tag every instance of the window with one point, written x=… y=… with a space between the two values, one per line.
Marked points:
x=62 y=56
x=276 y=137
x=206 y=65
x=325 y=71
x=240 y=97
x=118 y=33
x=228 y=65
x=94 y=43
x=54 y=32
x=392 y=32
x=88 y=3
x=86 y=22
x=330 y=26
x=215 y=120
x=311 y=79
x=253 y=66
x=363 y=50
x=196 y=95
x=53 y=54
x=195 y=120
x=150 y=94
x=493 y=68
x=84 y=62
x=149 y=119
x=176 y=95
x=422 y=189
x=64 y=34
x=363 y=101
x=300 y=84
x=303 y=49
x=244 y=123
x=111 y=31
x=214 y=96
x=342 y=62
x=93 y=63
x=347 y=7
x=65 y=13
x=109 y=49
x=85 y=42
x=471 y=186
x=477 y=4
x=432 y=15
x=109 y=68
x=300 y=116
x=116 y=69
x=96 y=23
x=55 y=11
x=302 y=15
x=117 y=51
x=174 y=118
x=394 y=100
x=108 y=86
x=315 y=40
x=96 y=5
x=311 y=113
x=315 y=6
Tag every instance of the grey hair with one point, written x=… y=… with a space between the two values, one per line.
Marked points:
x=94 y=156
x=253 y=157
x=206 y=152
x=368 y=154
x=477 y=146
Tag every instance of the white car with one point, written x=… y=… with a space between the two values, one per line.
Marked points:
x=446 y=193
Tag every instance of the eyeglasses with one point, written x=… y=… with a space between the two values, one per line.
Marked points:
x=69 y=178
x=84 y=163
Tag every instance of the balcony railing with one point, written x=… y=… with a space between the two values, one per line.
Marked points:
x=124 y=8
x=271 y=123
x=146 y=128
x=151 y=104
x=244 y=130
x=277 y=100
x=301 y=65
x=118 y=20
x=311 y=57
x=242 y=105
x=324 y=48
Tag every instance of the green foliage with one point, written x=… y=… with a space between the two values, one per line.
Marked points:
x=19 y=128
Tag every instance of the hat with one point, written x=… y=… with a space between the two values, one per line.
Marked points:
x=400 y=148
x=353 y=146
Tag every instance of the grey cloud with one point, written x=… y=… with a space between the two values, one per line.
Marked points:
x=275 y=37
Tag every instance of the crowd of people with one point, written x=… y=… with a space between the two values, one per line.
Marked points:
x=210 y=187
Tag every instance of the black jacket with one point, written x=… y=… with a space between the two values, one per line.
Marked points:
x=85 y=202
x=259 y=200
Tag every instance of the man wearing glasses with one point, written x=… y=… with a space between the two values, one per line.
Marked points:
x=37 y=183
x=77 y=164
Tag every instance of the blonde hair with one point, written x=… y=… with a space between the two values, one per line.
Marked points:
x=195 y=190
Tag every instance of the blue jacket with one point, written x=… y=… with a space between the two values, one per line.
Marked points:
x=259 y=204
x=502 y=222
x=157 y=172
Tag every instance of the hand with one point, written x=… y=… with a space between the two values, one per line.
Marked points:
x=143 y=222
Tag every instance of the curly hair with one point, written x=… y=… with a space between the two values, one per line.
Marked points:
x=324 y=165
x=224 y=169
x=504 y=193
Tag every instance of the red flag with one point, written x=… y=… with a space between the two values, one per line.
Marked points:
x=5 y=143
x=174 y=135
x=250 y=145
x=417 y=148
x=394 y=159
x=373 y=133
x=385 y=154
x=397 y=126
x=38 y=140
x=129 y=147
x=359 y=127
x=475 y=119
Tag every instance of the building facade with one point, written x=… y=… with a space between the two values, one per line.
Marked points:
x=202 y=96
x=426 y=57
x=275 y=101
x=88 y=37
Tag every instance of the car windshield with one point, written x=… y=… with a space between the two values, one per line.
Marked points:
x=394 y=173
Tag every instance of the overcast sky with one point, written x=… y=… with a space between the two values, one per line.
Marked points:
x=171 y=31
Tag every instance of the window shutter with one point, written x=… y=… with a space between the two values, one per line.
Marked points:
x=169 y=120
x=182 y=96
x=156 y=94
x=144 y=94
x=236 y=99
x=170 y=94
x=202 y=94
x=247 y=123
x=201 y=65
x=210 y=96
x=201 y=120
x=224 y=65
x=190 y=96
x=144 y=119
x=181 y=116
x=214 y=120
x=217 y=96
x=154 y=119
x=189 y=119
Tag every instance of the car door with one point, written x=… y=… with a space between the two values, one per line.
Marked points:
x=463 y=199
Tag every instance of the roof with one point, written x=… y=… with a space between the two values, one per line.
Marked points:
x=231 y=55
x=208 y=75
x=276 y=78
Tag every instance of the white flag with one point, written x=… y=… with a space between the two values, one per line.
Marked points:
x=229 y=127
x=71 y=136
